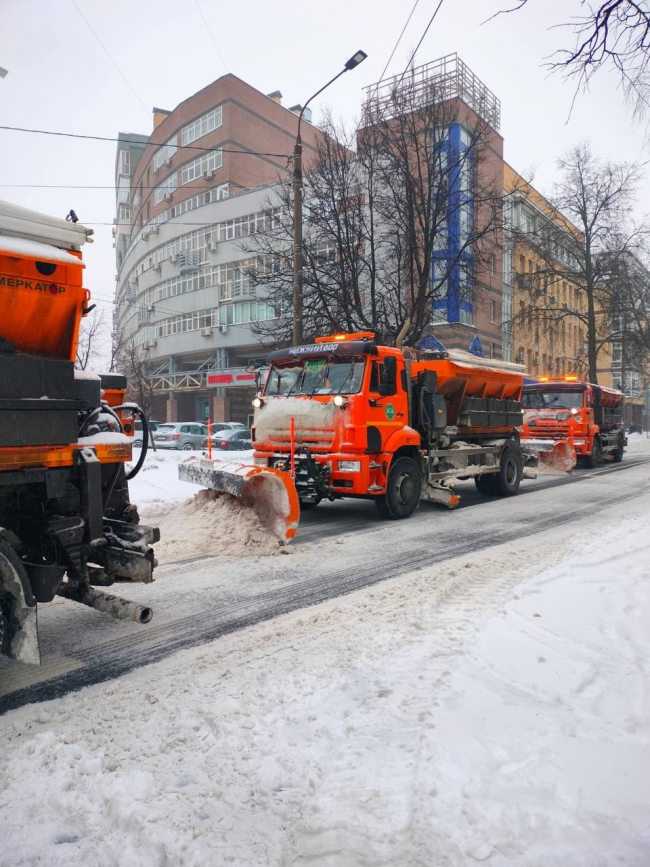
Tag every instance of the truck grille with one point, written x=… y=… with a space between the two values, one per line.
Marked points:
x=315 y=440
x=550 y=431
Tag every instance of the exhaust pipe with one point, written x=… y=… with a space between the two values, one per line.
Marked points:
x=119 y=608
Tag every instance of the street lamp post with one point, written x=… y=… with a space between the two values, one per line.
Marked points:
x=355 y=60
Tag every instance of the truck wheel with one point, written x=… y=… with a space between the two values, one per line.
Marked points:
x=18 y=635
x=402 y=492
x=591 y=461
x=618 y=451
x=485 y=484
x=307 y=503
x=507 y=482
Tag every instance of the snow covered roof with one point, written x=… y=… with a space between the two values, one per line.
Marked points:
x=37 y=250
x=22 y=223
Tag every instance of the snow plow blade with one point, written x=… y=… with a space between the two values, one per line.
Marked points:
x=271 y=493
x=553 y=456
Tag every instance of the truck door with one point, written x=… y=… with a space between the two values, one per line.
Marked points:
x=385 y=412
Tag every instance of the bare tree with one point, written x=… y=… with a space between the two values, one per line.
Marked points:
x=612 y=33
x=131 y=361
x=92 y=339
x=588 y=253
x=388 y=228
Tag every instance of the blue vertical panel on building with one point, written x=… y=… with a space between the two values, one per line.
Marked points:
x=458 y=309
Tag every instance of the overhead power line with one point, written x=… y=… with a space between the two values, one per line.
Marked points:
x=155 y=144
x=110 y=57
x=214 y=42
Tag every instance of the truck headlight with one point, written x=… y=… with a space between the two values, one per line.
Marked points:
x=349 y=466
x=257 y=402
x=339 y=400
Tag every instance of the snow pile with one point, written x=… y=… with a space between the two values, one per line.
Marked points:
x=158 y=482
x=455 y=716
x=209 y=523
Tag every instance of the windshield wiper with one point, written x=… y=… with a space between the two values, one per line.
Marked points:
x=350 y=373
x=321 y=378
x=298 y=379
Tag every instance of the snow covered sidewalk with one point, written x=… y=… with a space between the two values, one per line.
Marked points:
x=493 y=710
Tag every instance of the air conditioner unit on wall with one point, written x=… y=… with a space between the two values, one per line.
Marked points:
x=223 y=329
x=168 y=161
x=173 y=258
x=212 y=246
x=207 y=174
x=206 y=332
x=156 y=266
x=167 y=197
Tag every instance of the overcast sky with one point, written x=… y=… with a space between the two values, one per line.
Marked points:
x=97 y=67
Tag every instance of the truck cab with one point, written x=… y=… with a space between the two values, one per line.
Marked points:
x=587 y=415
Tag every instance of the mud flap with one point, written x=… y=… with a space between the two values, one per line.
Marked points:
x=19 y=624
x=271 y=493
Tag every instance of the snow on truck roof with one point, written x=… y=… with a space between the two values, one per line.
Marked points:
x=23 y=224
x=37 y=250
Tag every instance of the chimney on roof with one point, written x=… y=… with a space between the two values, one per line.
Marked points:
x=276 y=96
x=159 y=115
x=296 y=109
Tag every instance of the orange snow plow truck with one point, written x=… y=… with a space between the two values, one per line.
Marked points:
x=66 y=522
x=346 y=417
x=587 y=416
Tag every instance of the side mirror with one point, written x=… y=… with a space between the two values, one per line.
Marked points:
x=388 y=384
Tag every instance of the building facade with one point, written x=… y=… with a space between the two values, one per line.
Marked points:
x=187 y=195
x=471 y=301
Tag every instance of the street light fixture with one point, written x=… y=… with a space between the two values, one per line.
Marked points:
x=353 y=62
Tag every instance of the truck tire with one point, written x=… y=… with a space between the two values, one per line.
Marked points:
x=591 y=461
x=618 y=451
x=485 y=484
x=307 y=503
x=402 y=491
x=508 y=479
x=18 y=634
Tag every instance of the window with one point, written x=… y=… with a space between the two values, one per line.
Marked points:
x=123 y=190
x=493 y=307
x=202 y=126
x=466 y=316
x=125 y=163
x=197 y=168
x=493 y=350
x=507 y=267
x=165 y=189
x=165 y=154
x=617 y=353
x=124 y=212
x=506 y=313
x=522 y=265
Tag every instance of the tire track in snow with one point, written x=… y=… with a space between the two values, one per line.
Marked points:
x=293 y=590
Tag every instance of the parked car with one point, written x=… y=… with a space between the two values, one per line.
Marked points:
x=220 y=428
x=137 y=437
x=180 y=435
x=234 y=440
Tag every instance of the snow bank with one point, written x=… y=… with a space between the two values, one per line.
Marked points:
x=452 y=717
x=192 y=523
x=158 y=482
x=209 y=523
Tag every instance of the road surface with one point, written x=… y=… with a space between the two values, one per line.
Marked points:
x=341 y=547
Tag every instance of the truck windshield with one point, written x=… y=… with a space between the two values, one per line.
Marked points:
x=315 y=376
x=551 y=399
